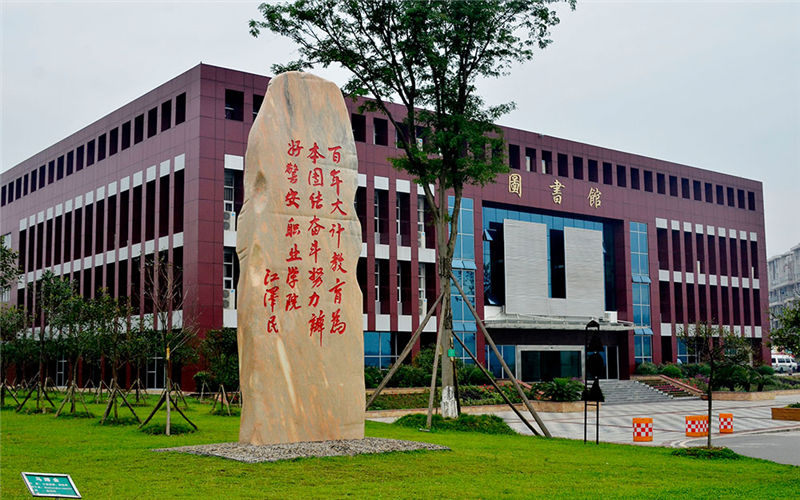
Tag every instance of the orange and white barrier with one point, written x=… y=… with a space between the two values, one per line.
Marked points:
x=642 y=429
x=726 y=423
x=697 y=425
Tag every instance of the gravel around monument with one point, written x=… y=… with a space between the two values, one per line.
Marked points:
x=290 y=451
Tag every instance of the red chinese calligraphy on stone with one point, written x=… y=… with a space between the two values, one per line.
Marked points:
x=337 y=325
x=316 y=200
x=292 y=276
x=337 y=156
x=292 y=198
x=336 y=231
x=337 y=207
x=315 y=154
x=315 y=177
x=314 y=252
x=295 y=147
x=291 y=302
x=292 y=228
x=294 y=254
x=291 y=172
x=315 y=275
x=270 y=277
x=313 y=300
x=336 y=181
x=271 y=298
x=314 y=227
x=272 y=324
x=337 y=291
x=317 y=325
x=337 y=259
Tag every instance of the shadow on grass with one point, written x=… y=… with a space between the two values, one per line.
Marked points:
x=175 y=429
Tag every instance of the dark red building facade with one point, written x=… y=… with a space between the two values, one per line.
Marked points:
x=661 y=245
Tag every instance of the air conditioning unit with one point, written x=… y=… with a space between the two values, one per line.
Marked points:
x=421 y=238
x=229 y=221
x=228 y=298
x=423 y=307
x=610 y=316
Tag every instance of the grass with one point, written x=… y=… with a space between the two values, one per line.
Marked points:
x=116 y=462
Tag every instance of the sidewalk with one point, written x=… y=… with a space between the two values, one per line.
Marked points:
x=749 y=417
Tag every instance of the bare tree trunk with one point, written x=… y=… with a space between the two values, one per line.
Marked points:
x=710 y=396
x=169 y=393
x=449 y=407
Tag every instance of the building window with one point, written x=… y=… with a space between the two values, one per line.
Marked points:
x=577 y=167
x=227 y=268
x=156 y=369
x=258 y=100
x=685 y=188
x=380 y=349
x=673 y=186
x=470 y=340
x=648 y=181
x=513 y=156
x=381 y=286
x=751 y=200
x=359 y=124
x=126 y=135
x=731 y=200
x=640 y=265
x=720 y=195
x=421 y=203
x=380 y=131
x=607 y=175
x=643 y=349
x=661 y=183
x=234 y=105
x=684 y=356
x=508 y=352
x=228 y=202
x=621 y=176
x=138 y=129
x=709 y=192
x=180 y=108
x=422 y=290
x=593 y=171
x=530 y=159
x=635 y=178
x=152 y=122
x=113 y=141
x=547 y=162
x=101 y=147
x=563 y=168
x=166 y=115
x=381 y=216
x=698 y=192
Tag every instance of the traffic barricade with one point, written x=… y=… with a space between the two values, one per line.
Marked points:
x=726 y=423
x=697 y=425
x=642 y=430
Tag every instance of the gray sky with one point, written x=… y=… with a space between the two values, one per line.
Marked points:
x=714 y=85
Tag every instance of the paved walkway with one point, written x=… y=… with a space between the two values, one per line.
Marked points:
x=749 y=417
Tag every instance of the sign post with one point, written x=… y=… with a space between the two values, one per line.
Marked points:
x=43 y=484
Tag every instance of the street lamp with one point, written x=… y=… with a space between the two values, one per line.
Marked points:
x=593 y=363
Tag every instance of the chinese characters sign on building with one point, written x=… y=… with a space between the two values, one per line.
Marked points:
x=299 y=308
x=515 y=184
x=557 y=189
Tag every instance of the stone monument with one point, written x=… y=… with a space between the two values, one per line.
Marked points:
x=301 y=344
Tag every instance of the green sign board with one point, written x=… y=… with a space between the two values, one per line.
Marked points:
x=42 y=484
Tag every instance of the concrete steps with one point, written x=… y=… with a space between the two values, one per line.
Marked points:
x=618 y=392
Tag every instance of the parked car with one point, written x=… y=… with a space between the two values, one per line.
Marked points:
x=783 y=363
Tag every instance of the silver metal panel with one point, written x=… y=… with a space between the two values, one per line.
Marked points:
x=525 y=253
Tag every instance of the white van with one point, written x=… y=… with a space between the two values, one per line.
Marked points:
x=783 y=363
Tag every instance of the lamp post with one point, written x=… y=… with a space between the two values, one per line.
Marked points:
x=596 y=365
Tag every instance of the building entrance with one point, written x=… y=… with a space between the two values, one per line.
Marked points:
x=544 y=363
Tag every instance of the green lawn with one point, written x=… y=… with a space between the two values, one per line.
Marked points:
x=116 y=462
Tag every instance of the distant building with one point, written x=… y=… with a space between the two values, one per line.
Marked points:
x=573 y=232
x=784 y=280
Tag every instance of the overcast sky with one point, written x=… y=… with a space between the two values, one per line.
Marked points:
x=714 y=85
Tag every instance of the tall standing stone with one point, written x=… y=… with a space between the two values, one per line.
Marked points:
x=301 y=344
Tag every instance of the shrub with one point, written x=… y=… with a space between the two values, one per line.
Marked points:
x=470 y=374
x=424 y=359
x=411 y=376
x=707 y=453
x=564 y=389
x=646 y=368
x=670 y=370
x=174 y=429
x=794 y=405
x=487 y=424
x=694 y=369
x=372 y=377
x=765 y=370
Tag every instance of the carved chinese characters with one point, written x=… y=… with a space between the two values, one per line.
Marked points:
x=299 y=308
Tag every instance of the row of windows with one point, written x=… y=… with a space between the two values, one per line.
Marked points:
x=234 y=105
x=125 y=280
x=106 y=145
x=699 y=254
x=128 y=217
x=633 y=177
x=709 y=303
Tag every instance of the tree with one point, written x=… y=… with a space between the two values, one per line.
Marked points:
x=221 y=352
x=787 y=335
x=76 y=339
x=720 y=348
x=12 y=324
x=429 y=56
x=164 y=288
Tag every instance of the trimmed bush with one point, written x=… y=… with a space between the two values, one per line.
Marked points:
x=487 y=424
x=646 y=368
x=670 y=370
x=372 y=377
x=765 y=370
x=707 y=453
x=470 y=374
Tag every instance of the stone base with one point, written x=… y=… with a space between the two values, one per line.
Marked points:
x=742 y=396
x=291 y=451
